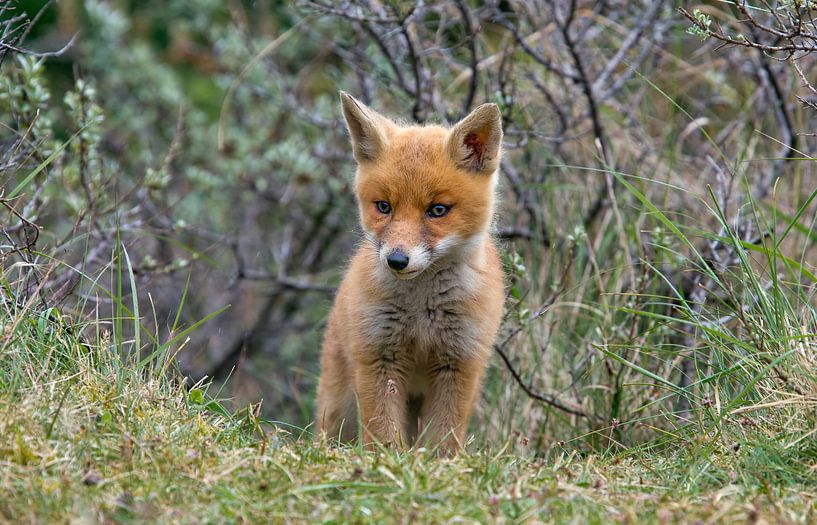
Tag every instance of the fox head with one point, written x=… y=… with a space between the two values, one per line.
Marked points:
x=425 y=193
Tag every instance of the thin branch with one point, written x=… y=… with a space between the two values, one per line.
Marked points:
x=472 y=46
x=549 y=399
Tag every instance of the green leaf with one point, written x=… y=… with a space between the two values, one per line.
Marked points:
x=196 y=396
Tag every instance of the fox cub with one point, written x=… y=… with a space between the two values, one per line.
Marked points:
x=415 y=318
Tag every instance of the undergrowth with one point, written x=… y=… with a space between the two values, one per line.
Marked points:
x=91 y=437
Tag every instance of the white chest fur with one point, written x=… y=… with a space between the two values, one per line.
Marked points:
x=425 y=316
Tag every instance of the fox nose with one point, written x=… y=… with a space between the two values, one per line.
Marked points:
x=397 y=260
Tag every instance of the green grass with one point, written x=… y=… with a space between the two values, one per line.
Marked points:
x=90 y=436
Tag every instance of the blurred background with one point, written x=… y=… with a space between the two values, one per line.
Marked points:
x=203 y=140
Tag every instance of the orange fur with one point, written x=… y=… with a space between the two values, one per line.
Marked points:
x=409 y=346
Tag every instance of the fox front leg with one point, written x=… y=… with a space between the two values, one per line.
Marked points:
x=382 y=398
x=448 y=407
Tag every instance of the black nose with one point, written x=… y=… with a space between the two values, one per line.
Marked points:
x=397 y=260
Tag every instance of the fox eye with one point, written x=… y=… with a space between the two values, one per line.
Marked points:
x=383 y=207
x=438 y=210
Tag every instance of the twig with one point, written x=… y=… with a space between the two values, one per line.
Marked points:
x=472 y=46
x=546 y=398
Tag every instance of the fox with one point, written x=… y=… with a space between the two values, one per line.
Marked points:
x=415 y=318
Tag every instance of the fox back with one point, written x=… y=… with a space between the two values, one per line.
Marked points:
x=414 y=320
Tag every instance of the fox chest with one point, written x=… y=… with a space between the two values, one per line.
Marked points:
x=431 y=316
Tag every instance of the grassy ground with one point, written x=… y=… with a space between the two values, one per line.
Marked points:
x=90 y=437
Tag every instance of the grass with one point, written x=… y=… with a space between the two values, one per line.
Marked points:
x=89 y=435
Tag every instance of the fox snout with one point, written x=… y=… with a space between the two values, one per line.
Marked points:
x=405 y=263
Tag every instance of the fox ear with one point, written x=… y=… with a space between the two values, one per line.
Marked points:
x=474 y=143
x=367 y=128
